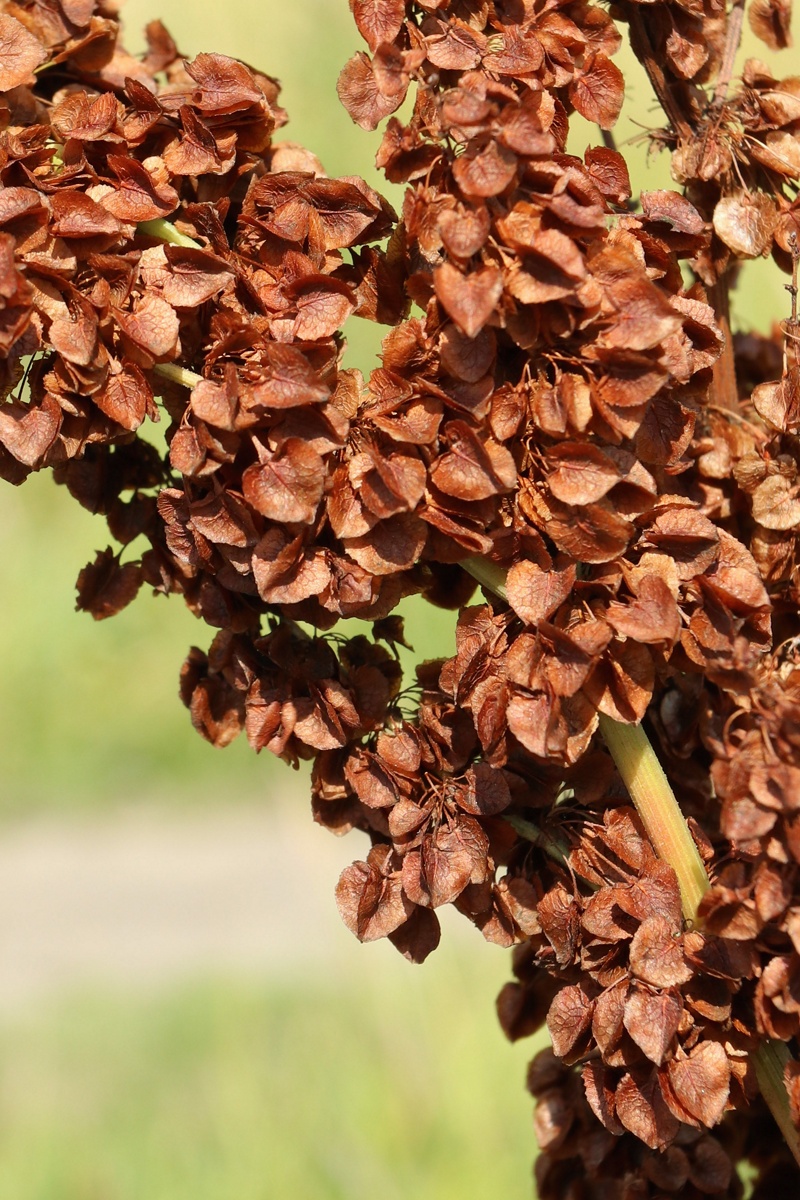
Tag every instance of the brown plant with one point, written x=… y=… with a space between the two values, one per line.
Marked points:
x=565 y=416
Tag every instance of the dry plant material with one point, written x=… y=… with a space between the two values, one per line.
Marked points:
x=563 y=409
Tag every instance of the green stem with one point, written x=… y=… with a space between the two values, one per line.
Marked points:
x=57 y=160
x=529 y=830
x=655 y=802
x=179 y=375
x=165 y=232
x=770 y=1061
x=488 y=574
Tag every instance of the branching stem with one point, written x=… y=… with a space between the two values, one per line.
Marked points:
x=179 y=375
x=643 y=49
x=643 y=776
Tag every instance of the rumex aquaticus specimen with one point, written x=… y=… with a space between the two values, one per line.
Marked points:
x=565 y=416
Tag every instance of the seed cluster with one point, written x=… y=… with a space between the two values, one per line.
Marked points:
x=566 y=417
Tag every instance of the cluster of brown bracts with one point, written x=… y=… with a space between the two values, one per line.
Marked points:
x=566 y=409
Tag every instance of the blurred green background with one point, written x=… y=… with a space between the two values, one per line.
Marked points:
x=347 y=1075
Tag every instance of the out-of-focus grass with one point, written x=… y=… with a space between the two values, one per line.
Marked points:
x=375 y=1087
x=89 y=711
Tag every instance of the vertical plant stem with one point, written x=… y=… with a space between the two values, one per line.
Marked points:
x=655 y=802
x=770 y=1061
x=733 y=36
x=724 y=390
x=665 y=90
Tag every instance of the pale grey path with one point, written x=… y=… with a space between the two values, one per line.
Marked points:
x=145 y=896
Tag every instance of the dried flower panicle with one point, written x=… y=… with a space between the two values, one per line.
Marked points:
x=565 y=416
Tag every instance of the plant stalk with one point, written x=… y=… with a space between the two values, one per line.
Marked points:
x=770 y=1061
x=487 y=573
x=656 y=804
x=551 y=846
x=179 y=375
x=724 y=391
x=166 y=232
x=733 y=37
x=665 y=90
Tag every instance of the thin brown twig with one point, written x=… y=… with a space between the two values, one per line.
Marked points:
x=643 y=49
x=724 y=388
x=733 y=36
x=730 y=415
x=791 y=288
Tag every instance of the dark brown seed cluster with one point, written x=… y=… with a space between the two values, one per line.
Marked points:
x=91 y=155
x=653 y=1013
x=566 y=417
x=581 y=1160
